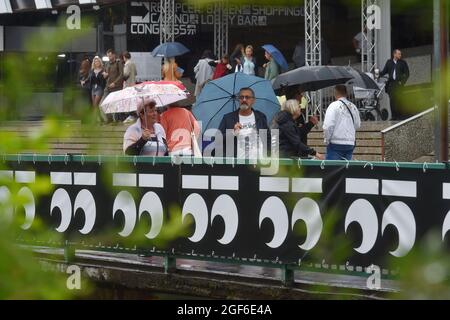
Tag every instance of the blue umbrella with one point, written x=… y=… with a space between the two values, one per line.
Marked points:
x=169 y=49
x=277 y=56
x=219 y=97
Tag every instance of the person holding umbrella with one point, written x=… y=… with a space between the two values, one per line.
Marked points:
x=272 y=68
x=247 y=125
x=145 y=137
x=277 y=63
x=170 y=70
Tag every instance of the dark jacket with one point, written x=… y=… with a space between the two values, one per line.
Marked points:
x=220 y=71
x=304 y=128
x=230 y=119
x=402 y=73
x=98 y=79
x=235 y=55
x=290 y=144
x=115 y=74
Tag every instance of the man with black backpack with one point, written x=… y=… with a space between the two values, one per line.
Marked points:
x=340 y=125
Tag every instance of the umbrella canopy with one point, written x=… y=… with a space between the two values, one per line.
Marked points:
x=219 y=97
x=277 y=56
x=361 y=80
x=169 y=49
x=312 y=78
x=127 y=100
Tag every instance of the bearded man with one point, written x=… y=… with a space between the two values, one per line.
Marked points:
x=245 y=130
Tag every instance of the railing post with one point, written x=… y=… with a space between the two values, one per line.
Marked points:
x=69 y=252
x=170 y=264
x=287 y=276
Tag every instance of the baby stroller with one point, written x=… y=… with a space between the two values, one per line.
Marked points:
x=373 y=104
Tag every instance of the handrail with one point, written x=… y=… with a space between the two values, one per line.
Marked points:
x=404 y=122
x=102 y=159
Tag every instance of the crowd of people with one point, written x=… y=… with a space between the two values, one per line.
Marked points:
x=247 y=131
x=98 y=80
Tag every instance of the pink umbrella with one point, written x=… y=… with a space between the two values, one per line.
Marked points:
x=127 y=100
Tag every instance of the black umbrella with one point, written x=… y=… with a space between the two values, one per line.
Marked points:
x=311 y=78
x=361 y=80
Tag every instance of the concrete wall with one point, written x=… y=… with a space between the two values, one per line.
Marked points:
x=410 y=139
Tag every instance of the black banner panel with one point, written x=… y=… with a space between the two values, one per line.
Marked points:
x=328 y=215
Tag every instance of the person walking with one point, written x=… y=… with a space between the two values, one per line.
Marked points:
x=113 y=74
x=340 y=125
x=129 y=70
x=203 y=71
x=85 y=79
x=98 y=82
x=272 y=67
x=398 y=72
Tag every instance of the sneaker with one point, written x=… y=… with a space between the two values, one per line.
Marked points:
x=130 y=119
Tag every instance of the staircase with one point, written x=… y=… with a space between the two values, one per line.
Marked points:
x=108 y=139
x=368 y=141
x=76 y=138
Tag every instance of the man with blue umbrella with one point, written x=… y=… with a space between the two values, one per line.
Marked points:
x=246 y=128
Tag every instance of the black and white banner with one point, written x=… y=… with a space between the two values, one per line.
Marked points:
x=303 y=214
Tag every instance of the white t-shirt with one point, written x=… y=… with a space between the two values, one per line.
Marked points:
x=248 y=140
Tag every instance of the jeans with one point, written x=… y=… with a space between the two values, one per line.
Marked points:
x=339 y=152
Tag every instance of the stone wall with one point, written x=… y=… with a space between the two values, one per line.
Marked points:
x=410 y=139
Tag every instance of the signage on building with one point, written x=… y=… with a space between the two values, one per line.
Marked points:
x=145 y=17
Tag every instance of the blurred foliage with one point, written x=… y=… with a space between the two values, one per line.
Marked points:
x=425 y=272
x=22 y=275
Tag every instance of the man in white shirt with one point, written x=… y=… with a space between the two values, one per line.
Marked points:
x=340 y=125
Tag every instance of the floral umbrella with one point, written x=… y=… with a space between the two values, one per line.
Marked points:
x=127 y=100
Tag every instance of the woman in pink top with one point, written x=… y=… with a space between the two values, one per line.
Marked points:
x=178 y=123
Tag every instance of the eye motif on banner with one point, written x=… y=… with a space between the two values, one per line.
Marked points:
x=306 y=209
x=446 y=196
x=398 y=214
x=150 y=202
x=24 y=192
x=84 y=199
x=224 y=206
